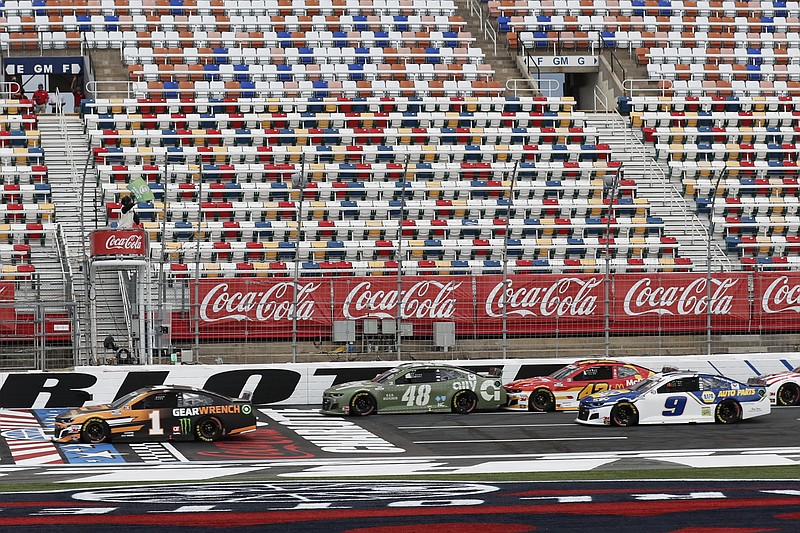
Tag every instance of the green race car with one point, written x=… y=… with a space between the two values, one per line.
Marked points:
x=416 y=387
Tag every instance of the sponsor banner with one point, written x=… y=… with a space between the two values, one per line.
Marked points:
x=776 y=300
x=118 y=242
x=7 y=312
x=423 y=300
x=538 y=303
x=679 y=302
x=259 y=306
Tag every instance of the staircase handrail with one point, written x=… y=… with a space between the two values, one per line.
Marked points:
x=69 y=290
x=126 y=305
x=551 y=89
x=629 y=86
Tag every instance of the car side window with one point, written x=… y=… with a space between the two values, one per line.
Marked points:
x=690 y=384
x=158 y=400
x=595 y=373
x=626 y=372
x=420 y=375
x=193 y=399
x=448 y=374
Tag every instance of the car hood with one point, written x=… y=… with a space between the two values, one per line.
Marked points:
x=611 y=396
x=72 y=413
x=530 y=383
x=344 y=387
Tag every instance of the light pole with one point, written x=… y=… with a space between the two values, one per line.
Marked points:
x=398 y=339
x=298 y=182
x=614 y=186
x=505 y=257
x=722 y=173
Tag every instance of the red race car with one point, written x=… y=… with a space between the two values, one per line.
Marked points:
x=563 y=389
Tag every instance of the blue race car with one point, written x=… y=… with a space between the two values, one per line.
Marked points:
x=675 y=398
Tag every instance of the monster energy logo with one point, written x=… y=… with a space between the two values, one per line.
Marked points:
x=186 y=425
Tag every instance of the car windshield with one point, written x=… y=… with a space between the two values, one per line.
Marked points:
x=562 y=373
x=119 y=402
x=389 y=375
x=646 y=384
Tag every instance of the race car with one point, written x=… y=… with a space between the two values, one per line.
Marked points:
x=675 y=397
x=163 y=412
x=563 y=389
x=783 y=388
x=416 y=388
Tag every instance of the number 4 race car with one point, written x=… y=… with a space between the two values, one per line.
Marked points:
x=563 y=389
x=162 y=412
x=675 y=397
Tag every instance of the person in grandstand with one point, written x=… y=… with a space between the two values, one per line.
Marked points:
x=40 y=99
x=128 y=217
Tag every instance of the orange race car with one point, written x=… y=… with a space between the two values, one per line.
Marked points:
x=163 y=412
x=563 y=389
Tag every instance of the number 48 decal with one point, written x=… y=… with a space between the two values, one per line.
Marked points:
x=417 y=395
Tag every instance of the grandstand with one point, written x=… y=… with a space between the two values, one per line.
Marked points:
x=336 y=140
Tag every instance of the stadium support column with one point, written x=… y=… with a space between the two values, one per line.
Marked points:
x=299 y=183
x=509 y=206
x=709 y=326
x=612 y=189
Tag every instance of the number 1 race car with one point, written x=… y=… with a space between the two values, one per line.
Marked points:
x=675 y=397
x=416 y=388
x=563 y=389
x=783 y=388
x=170 y=412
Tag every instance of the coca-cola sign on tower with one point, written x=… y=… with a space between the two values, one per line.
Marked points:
x=679 y=301
x=118 y=242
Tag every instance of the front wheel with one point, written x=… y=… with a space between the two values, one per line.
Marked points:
x=542 y=400
x=362 y=404
x=95 y=431
x=788 y=394
x=464 y=402
x=208 y=429
x=728 y=412
x=624 y=415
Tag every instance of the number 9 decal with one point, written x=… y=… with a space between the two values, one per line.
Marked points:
x=674 y=406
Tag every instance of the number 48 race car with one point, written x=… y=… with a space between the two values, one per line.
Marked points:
x=675 y=397
x=164 y=412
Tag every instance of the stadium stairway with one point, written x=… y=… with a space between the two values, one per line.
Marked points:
x=65 y=174
x=666 y=201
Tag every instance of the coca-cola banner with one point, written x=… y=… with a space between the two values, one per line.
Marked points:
x=7 y=312
x=424 y=299
x=257 y=307
x=536 y=303
x=118 y=242
x=776 y=299
x=679 y=302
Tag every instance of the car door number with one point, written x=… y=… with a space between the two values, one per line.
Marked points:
x=417 y=395
x=591 y=388
x=155 y=422
x=674 y=406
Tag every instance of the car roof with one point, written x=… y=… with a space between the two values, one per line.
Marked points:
x=594 y=361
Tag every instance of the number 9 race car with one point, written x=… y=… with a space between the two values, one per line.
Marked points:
x=416 y=388
x=675 y=397
x=163 y=412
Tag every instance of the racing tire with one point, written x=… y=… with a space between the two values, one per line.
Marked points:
x=788 y=394
x=464 y=402
x=542 y=400
x=728 y=412
x=624 y=415
x=363 y=404
x=208 y=429
x=95 y=431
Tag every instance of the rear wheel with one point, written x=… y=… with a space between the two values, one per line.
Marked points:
x=95 y=431
x=362 y=404
x=208 y=429
x=728 y=412
x=542 y=400
x=464 y=402
x=788 y=394
x=624 y=415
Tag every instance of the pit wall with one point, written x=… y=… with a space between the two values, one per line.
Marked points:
x=303 y=384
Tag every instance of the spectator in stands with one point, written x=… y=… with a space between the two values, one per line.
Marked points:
x=129 y=218
x=77 y=92
x=40 y=98
x=57 y=102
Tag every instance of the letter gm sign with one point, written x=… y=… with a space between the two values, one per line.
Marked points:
x=31 y=66
x=566 y=61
